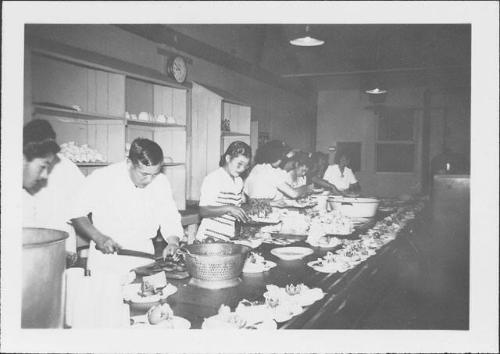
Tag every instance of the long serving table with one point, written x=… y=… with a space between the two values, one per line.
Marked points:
x=349 y=296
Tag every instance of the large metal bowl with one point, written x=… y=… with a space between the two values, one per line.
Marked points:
x=215 y=265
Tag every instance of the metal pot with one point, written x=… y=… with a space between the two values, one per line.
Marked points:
x=356 y=207
x=44 y=261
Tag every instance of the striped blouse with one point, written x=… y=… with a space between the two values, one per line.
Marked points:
x=218 y=189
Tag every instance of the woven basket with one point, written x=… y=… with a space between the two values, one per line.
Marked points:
x=215 y=261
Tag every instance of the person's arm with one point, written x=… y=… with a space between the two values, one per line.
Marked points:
x=104 y=243
x=294 y=193
x=325 y=184
x=210 y=211
x=170 y=226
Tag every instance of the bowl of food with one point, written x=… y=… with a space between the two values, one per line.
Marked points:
x=215 y=265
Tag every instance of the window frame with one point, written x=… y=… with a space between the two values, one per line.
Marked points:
x=414 y=141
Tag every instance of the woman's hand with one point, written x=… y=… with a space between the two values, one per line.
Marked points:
x=237 y=212
x=106 y=244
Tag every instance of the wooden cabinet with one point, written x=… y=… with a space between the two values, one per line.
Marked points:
x=210 y=106
x=99 y=121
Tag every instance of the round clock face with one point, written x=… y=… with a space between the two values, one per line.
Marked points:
x=178 y=69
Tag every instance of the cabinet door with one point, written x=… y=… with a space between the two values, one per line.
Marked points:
x=59 y=82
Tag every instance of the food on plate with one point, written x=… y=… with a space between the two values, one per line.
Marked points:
x=293 y=289
x=153 y=285
x=294 y=223
x=255 y=263
x=259 y=208
x=160 y=313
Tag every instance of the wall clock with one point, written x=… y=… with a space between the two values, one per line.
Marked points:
x=177 y=68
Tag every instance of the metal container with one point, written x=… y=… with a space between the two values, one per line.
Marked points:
x=356 y=207
x=215 y=265
x=44 y=261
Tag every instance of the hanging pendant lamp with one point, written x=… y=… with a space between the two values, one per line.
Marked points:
x=306 y=40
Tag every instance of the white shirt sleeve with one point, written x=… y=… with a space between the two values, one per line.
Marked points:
x=170 y=224
x=351 y=178
x=329 y=174
x=88 y=196
x=209 y=191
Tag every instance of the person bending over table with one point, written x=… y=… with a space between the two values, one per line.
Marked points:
x=49 y=183
x=266 y=180
x=341 y=176
x=129 y=202
x=222 y=194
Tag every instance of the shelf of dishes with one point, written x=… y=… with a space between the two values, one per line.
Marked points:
x=147 y=118
x=85 y=156
x=76 y=112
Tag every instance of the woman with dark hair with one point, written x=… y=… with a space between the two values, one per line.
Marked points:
x=301 y=164
x=319 y=166
x=130 y=201
x=222 y=194
x=341 y=176
x=267 y=180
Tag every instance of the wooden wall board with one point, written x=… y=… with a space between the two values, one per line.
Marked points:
x=139 y=96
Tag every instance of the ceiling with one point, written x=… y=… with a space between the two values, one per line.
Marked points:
x=349 y=49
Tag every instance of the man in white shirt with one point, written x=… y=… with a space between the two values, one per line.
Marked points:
x=129 y=202
x=47 y=199
x=342 y=176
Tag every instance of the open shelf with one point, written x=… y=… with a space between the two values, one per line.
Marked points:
x=154 y=124
x=68 y=113
x=233 y=134
x=173 y=164
x=92 y=164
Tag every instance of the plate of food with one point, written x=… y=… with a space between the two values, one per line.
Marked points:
x=327 y=264
x=227 y=320
x=291 y=253
x=160 y=316
x=152 y=289
x=256 y=220
x=255 y=263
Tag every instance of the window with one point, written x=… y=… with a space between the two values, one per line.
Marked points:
x=395 y=144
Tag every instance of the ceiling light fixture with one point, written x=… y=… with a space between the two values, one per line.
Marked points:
x=306 y=41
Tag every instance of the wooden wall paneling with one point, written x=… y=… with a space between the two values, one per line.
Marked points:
x=134 y=132
x=179 y=106
x=213 y=151
x=177 y=177
x=68 y=129
x=173 y=143
x=245 y=119
x=162 y=98
x=59 y=82
x=226 y=112
x=254 y=136
x=92 y=91
x=139 y=96
x=227 y=140
x=197 y=137
x=101 y=92
x=116 y=94
x=116 y=141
